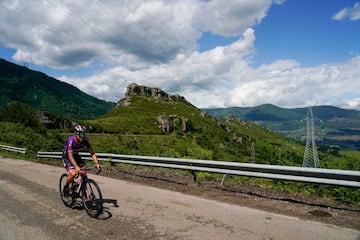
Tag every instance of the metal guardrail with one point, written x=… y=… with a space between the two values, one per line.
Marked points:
x=13 y=149
x=347 y=178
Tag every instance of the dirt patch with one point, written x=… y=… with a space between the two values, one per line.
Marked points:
x=320 y=213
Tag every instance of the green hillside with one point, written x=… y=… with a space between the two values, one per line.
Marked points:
x=169 y=126
x=45 y=93
x=136 y=129
x=333 y=126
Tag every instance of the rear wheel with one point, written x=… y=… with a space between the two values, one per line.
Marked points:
x=69 y=199
x=92 y=198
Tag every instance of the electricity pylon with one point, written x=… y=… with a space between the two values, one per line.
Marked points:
x=311 y=158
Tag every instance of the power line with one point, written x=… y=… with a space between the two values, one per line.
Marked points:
x=138 y=49
x=62 y=34
x=153 y=38
x=78 y=20
x=100 y=32
x=50 y=29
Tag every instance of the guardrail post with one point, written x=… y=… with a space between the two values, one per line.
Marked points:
x=112 y=163
x=223 y=179
x=193 y=174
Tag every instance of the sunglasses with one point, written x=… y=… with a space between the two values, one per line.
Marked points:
x=81 y=134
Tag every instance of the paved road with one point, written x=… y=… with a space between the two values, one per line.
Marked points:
x=31 y=209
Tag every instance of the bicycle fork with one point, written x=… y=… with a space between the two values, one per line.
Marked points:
x=79 y=183
x=77 y=188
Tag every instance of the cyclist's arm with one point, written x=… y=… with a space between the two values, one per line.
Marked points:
x=94 y=157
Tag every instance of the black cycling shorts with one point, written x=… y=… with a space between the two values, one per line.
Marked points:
x=68 y=165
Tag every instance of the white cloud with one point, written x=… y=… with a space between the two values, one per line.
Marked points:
x=351 y=13
x=293 y=86
x=222 y=77
x=154 y=43
x=52 y=33
x=222 y=16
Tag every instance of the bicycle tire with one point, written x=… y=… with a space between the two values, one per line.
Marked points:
x=92 y=198
x=68 y=201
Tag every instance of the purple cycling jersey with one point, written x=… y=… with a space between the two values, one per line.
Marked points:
x=75 y=147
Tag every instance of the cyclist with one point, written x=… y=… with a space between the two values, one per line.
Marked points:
x=71 y=158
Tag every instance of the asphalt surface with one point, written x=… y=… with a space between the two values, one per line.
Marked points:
x=31 y=208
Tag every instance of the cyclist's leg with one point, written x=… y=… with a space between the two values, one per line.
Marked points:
x=71 y=176
x=71 y=168
x=79 y=161
x=68 y=166
x=71 y=171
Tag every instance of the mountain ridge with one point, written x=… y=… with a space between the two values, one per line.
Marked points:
x=323 y=111
x=44 y=93
x=333 y=125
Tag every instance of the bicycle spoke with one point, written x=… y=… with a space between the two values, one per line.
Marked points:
x=67 y=200
x=92 y=198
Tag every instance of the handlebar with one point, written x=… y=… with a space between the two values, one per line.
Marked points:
x=90 y=168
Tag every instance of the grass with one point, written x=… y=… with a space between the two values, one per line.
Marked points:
x=134 y=130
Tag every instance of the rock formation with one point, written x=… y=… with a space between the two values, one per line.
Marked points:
x=136 y=90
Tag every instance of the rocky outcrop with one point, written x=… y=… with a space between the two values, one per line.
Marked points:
x=54 y=122
x=136 y=90
x=168 y=123
x=165 y=123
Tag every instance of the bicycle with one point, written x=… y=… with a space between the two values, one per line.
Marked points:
x=84 y=188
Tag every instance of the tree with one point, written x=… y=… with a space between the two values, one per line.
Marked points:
x=18 y=112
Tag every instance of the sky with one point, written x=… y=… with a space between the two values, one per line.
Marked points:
x=215 y=53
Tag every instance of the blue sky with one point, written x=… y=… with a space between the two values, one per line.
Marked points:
x=305 y=31
x=217 y=53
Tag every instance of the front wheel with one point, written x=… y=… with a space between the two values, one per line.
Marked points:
x=69 y=199
x=92 y=198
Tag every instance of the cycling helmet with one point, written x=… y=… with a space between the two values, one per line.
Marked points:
x=80 y=130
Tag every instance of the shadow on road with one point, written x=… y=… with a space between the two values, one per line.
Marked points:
x=107 y=204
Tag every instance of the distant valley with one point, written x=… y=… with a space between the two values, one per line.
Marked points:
x=333 y=126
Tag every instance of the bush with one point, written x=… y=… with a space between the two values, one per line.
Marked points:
x=21 y=113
